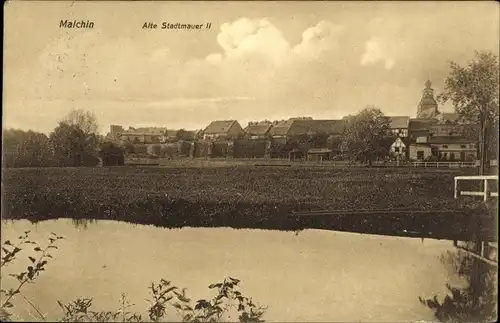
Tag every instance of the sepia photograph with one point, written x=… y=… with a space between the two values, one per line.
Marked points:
x=250 y=161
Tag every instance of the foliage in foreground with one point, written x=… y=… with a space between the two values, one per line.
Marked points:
x=164 y=297
x=460 y=306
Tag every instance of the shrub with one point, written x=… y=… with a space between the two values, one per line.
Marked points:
x=111 y=154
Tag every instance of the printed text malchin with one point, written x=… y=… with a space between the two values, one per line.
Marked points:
x=76 y=24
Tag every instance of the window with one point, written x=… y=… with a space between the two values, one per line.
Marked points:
x=445 y=146
x=420 y=154
x=396 y=149
x=463 y=146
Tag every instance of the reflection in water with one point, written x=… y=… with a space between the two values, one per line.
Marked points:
x=314 y=276
x=82 y=223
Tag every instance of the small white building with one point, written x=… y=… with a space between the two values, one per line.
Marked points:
x=398 y=149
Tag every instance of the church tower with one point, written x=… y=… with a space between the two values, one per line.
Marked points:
x=428 y=107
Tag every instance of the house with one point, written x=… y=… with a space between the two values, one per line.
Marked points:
x=319 y=154
x=115 y=131
x=399 y=148
x=280 y=129
x=223 y=129
x=148 y=135
x=420 y=127
x=447 y=125
x=399 y=125
x=258 y=131
x=316 y=133
x=419 y=151
x=448 y=148
x=170 y=135
x=312 y=127
x=443 y=148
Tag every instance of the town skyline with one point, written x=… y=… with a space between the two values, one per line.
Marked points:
x=258 y=61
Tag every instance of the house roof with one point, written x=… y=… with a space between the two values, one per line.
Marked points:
x=145 y=130
x=405 y=140
x=449 y=140
x=408 y=141
x=172 y=133
x=258 y=129
x=420 y=145
x=220 y=126
x=399 y=122
x=281 y=128
x=330 y=127
x=140 y=133
x=421 y=124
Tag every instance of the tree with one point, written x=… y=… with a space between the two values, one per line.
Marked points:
x=128 y=147
x=111 y=154
x=185 y=135
x=25 y=149
x=85 y=120
x=155 y=150
x=365 y=134
x=72 y=147
x=473 y=90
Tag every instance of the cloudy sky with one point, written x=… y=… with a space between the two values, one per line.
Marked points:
x=259 y=60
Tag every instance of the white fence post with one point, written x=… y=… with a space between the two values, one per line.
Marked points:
x=485 y=190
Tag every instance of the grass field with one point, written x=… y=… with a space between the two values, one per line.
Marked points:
x=238 y=196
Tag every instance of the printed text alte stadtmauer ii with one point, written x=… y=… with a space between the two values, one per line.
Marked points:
x=176 y=26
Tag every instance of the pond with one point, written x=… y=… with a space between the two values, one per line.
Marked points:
x=310 y=276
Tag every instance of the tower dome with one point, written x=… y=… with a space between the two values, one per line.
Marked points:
x=428 y=107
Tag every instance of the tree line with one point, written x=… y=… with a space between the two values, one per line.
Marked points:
x=73 y=143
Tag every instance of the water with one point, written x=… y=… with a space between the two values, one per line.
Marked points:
x=313 y=276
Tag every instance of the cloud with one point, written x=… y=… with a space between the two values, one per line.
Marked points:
x=246 y=37
x=375 y=52
x=318 y=40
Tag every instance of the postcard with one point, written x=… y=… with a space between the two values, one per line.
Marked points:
x=250 y=161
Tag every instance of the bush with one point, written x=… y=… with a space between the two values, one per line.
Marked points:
x=155 y=150
x=140 y=149
x=111 y=154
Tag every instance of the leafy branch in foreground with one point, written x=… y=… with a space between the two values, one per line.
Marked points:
x=163 y=295
x=32 y=272
x=227 y=301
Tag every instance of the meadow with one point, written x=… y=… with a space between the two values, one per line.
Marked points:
x=246 y=196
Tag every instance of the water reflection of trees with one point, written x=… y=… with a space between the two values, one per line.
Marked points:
x=474 y=302
x=82 y=223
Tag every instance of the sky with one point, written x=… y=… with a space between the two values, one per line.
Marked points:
x=259 y=60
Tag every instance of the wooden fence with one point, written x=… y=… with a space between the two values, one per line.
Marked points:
x=445 y=164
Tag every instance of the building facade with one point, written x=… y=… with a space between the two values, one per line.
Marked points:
x=223 y=130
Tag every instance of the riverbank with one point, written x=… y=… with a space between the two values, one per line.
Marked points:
x=247 y=197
